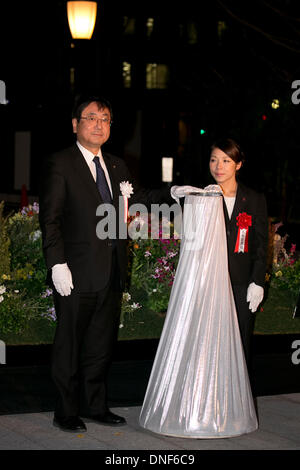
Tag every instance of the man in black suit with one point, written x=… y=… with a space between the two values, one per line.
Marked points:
x=88 y=273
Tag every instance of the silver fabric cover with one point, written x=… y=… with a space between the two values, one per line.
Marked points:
x=199 y=385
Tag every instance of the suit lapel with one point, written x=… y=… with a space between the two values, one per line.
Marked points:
x=240 y=204
x=241 y=201
x=226 y=216
x=111 y=168
x=88 y=180
x=84 y=173
x=231 y=224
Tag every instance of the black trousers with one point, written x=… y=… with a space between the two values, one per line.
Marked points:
x=246 y=320
x=86 y=333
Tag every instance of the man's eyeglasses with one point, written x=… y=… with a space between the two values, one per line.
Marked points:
x=94 y=119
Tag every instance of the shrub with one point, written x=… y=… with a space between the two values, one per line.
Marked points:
x=23 y=272
x=285 y=272
x=154 y=263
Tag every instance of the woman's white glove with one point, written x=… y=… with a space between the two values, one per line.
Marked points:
x=181 y=191
x=62 y=279
x=255 y=294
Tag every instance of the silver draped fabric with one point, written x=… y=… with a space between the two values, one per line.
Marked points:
x=199 y=385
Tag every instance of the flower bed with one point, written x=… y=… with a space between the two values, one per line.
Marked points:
x=25 y=298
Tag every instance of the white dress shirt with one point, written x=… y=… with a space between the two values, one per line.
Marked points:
x=229 y=204
x=88 y=156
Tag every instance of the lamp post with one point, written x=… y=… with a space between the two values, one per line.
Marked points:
x=82 y=18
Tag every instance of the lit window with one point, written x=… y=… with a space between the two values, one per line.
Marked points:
x=72 y=77
x=221 y=28
x=167 y=169
x=150 y=26
x=128 y=25
x=126 y=73
x=157 y=76
x=192 y=33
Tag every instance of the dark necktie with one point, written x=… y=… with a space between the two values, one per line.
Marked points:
x=101 y=182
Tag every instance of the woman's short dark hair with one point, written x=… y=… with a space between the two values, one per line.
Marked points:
x=82 y=102
x=231 y=148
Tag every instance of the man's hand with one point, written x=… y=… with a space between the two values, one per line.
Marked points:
x=255 y=294
x=62 y=279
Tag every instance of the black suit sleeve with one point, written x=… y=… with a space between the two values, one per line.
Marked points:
x=52 y=202
x=260 y=242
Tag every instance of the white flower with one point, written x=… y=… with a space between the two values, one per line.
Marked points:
x=2 y=290
x=135 y=305
x=126 y=188
x=35 y=235
x=1 y=298
x=126 y=296
x=171 y=254
x=147 y=254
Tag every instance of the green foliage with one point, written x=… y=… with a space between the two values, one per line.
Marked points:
x=24 y=294
x=128 y=308
x=4 y=245
x=287 y=278
x=16 y=309
x=154 y=263
x=285 y=273
x=25 y=298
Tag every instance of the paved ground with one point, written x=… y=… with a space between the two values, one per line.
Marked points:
x=279 y=429
x=27 y=398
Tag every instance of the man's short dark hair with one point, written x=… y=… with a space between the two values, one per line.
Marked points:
x=82 y=102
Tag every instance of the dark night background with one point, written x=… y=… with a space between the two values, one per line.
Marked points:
x=226 y=60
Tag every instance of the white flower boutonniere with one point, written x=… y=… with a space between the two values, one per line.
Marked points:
x=126 y=190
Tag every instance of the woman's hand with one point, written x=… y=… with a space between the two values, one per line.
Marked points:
x=255 y=294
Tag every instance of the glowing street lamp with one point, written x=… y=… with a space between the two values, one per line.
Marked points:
x=275 y=104
x=82 y=18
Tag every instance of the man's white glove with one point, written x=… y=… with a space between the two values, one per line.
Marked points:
x=255 y=294
x=62 y=279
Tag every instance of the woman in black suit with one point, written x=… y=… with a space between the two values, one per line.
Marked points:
x=246 y=222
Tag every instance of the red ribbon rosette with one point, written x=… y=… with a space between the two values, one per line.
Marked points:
x=244 y=221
